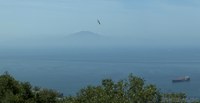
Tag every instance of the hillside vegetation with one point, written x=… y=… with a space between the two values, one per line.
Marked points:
x=132 y=90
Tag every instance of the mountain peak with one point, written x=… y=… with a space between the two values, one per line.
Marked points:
x=85 y=38
x=85 y=34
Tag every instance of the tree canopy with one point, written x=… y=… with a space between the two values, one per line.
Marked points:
x=132 y=90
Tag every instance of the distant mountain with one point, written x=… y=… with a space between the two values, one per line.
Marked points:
x=85 y=38
x=84 y=35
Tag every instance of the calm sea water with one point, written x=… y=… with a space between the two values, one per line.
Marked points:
x=69 y=74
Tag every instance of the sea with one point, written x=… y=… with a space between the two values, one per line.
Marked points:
x=69 y=72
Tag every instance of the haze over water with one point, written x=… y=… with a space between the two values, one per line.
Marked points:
x=70 y=72
x=59 y=44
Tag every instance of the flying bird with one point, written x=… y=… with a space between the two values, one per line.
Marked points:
x=98 y=22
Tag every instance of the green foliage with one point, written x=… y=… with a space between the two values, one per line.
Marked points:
x=13 y=91
x=195 y=101
x=131 y=91
x=46 y=96
x=26 y=91
x=9 y=88
x=174 y=98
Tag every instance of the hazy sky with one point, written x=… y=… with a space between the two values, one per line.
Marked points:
x=143 y=20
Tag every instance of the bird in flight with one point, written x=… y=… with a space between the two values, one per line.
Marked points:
x=98 y=22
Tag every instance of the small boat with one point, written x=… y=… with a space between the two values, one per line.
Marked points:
x=181 y=79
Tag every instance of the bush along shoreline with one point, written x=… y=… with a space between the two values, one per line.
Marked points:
x=131 y=90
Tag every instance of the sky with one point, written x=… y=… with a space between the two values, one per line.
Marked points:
x=174 y=22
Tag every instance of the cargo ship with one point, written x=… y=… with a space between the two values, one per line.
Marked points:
x=181 y=79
